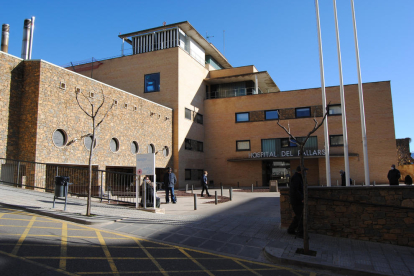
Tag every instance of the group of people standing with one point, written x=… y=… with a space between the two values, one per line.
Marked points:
x=170 y=180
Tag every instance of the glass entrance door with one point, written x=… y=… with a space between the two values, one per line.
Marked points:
x=276 y=170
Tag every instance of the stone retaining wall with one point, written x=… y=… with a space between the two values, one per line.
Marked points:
x=382 y=213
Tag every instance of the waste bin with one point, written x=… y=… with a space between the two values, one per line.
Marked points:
x=60 y=183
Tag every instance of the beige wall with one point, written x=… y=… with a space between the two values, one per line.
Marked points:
x=233 y=71
x=222 y=132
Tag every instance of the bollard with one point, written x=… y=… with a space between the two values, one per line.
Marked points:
x=354 y=182
x=363 y=183
x=221 y=191
x=257 y=184
x=215 y=192
x=195 y=202
x=252 y=188
x=186 y=188
x=374 y=183
x=192 y=189
x=238 y=185
x=337 y=182
x=231 y=193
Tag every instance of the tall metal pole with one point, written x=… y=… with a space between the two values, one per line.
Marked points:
x=31 y=38
x=342 y=93
x=26 y=39
x=361 y=101
x=5 y=29
x=325 y=125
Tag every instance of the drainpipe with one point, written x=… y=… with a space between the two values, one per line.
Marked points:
x=5 y=38
x=26 y=39
x=31 y=38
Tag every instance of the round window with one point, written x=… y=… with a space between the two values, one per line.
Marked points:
x=60 y=138
x=134 y=147
x=87 y=141
x=165 y=151
x=151 y=148
x=114 y=145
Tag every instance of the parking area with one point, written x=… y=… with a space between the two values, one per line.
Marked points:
x=33 y=244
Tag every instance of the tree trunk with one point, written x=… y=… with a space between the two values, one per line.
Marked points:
x=305 y=201
x=88 y=203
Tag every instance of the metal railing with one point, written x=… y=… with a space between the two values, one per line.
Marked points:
x=235 y=93
x=111 y=186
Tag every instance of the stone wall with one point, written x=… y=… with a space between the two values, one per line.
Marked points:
x=381 y=214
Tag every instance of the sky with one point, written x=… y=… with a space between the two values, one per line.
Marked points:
x=277 y=36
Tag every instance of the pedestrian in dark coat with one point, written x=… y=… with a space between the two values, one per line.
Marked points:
x=342 y=173
x=204 y=184
x=169 y=181
x=296 y=200
x=408 y=180
x=394 y=176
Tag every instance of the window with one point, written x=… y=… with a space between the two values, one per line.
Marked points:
x=188 y=114
x=166 y=151
x=87 y=141
x=271 y=115
x=188 y=144
x=199 y=118
x=187 y=174
x=60 y=138
x=242 y=117
x=336 y=140
x=134 y=147
x=151 y=148
x=286 y=143
x=200 y=146
x=114 y=145
x=302 y=112
x=152 y=83
x=334 y=110
x=243 y=145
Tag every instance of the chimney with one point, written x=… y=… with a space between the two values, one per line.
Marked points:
x=5 y=38
x=26 y=39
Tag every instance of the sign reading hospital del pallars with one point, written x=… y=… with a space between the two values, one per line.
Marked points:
x=286 y=153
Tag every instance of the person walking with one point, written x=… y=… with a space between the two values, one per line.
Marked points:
x=342 y=173
x=296 y=200
x=204 y=184
x=169 y=181
x=394 y=176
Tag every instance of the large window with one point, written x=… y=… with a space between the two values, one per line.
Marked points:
x=302 y=112
x=188 y=114
x=200 y=146
x=242 y=117
x=336 y=140
x=152 y=83
x=243 y=145
x=188 y=144
x=271 y=115
x=193 y=145
x=334 y=109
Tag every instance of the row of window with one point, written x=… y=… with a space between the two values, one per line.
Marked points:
x=60 y=139
x=198 y=118
x=334 y=141
x=193 y=174
x=193 y=145
x=301 y=112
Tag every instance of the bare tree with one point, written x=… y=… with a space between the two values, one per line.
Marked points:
x=301 y=143
x=93 y=114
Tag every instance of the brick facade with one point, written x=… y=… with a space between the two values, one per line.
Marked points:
x=382 y=214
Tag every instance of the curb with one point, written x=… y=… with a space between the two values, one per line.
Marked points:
x=274 y=255
x=65 y=217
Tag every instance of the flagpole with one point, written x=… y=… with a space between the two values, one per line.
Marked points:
x=361 y=100
x=342 y=93
x=325 y=125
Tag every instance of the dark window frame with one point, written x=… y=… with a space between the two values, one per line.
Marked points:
x=290 y=144
x=156 y=89
x=185 y=144
x=185 y=174
x=237 y=145
x=198 y=146
x=248 y=117
x=199 y=119
x=277 y=112
x=185 y=113
x=334 y=114
x=296 y=112
x=338 y=145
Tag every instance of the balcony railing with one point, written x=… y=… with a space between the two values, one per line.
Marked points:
x=234 y=93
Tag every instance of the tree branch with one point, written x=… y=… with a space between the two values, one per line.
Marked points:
x=81 y=105
x=109 y=109
x=102 y=103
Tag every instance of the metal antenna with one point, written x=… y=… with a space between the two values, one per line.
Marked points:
x=208 y=37
x=224 y=43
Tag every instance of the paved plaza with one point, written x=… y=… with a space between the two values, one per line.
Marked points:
x=247 y=227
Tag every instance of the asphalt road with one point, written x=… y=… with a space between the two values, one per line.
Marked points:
x=31 y=244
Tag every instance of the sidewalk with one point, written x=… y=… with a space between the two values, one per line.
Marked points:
x=246 y=227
